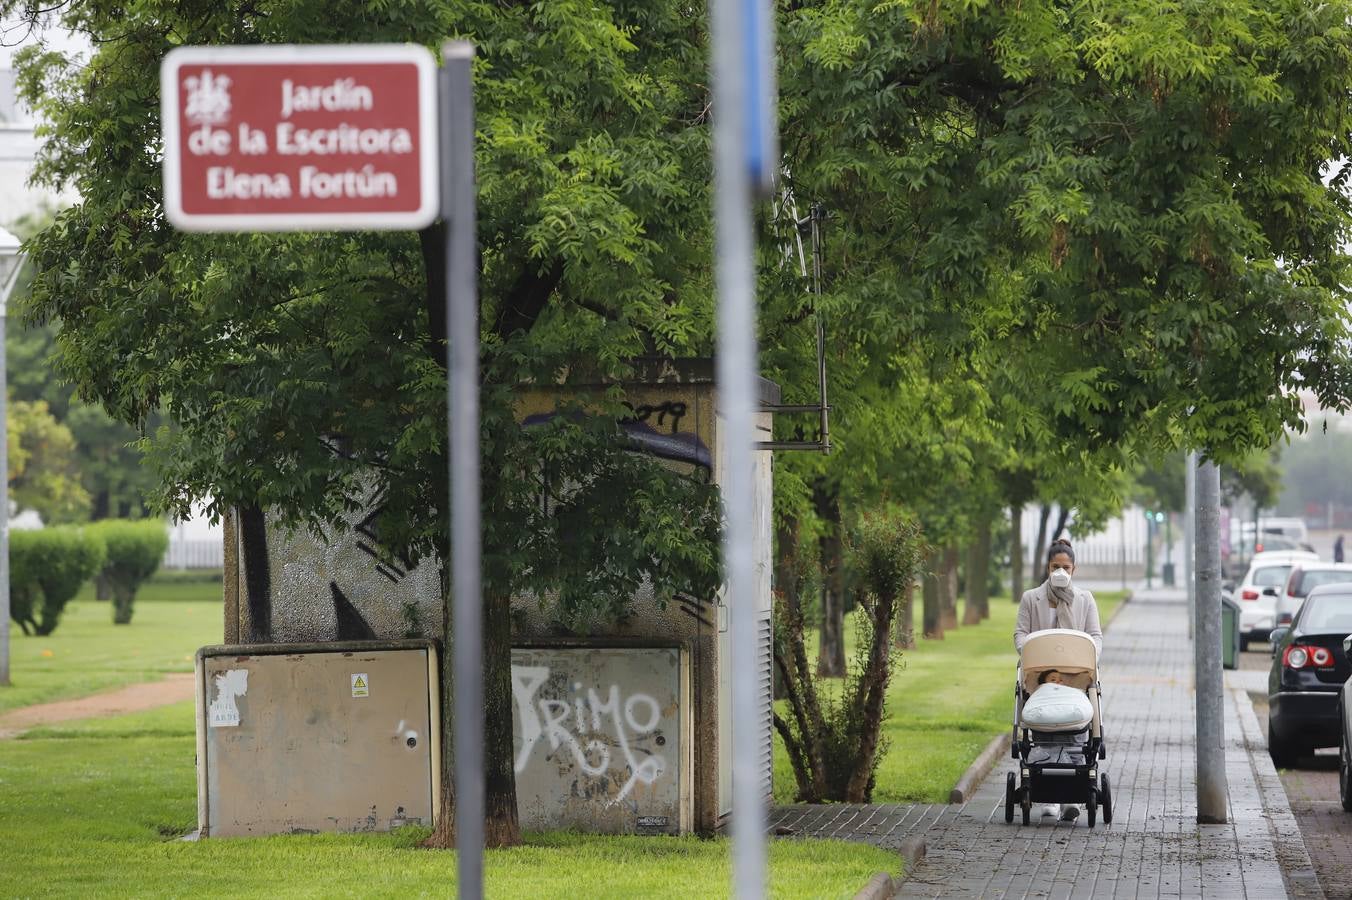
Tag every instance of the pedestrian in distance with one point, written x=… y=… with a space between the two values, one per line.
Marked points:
x=1058 y=603
x=1338 y=549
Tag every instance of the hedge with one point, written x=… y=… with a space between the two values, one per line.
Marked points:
x=135 y=548
x=47 y=567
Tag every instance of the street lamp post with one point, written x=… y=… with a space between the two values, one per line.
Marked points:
x=11 y=261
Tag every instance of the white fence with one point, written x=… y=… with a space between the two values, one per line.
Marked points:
x=194 y=554
x=1121 y=541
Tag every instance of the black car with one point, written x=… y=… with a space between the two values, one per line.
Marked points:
x=1309 y=666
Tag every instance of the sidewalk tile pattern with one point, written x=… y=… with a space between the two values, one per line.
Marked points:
x=1155 y=848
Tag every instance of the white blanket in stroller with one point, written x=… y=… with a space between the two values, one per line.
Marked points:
x=1057 y=706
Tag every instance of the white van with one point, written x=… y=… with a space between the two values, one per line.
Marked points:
x=1291 y=527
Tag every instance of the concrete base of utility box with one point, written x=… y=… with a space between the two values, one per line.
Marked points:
x=317 y=737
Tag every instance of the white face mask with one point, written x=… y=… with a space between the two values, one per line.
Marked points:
x=1060 y=578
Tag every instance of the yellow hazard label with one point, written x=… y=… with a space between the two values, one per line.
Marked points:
x=361 y=686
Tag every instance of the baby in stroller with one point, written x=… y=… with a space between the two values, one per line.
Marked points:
x=1058 y=734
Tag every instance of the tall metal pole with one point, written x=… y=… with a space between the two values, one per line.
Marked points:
x=738 y=127
x=1123 y=534
x=4 y=496
x=462 y=327
x=11 y=263
x=1190 y=536
x=1210 y=694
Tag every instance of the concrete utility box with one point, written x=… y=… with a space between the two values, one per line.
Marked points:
x=600 y=739
x=316 y=737
x=292 y=586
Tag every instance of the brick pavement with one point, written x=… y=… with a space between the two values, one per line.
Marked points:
x=1154 y=848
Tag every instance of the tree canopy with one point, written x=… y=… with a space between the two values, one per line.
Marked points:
x=1060 y=239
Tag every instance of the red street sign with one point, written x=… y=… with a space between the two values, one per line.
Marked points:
x=299 y=138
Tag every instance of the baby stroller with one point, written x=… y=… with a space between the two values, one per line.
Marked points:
x=1058 y=760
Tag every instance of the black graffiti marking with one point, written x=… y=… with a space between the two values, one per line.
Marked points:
x=369 y=527
x=352 y=626
x=676 y=409
x=253 y=532
x=695 y=607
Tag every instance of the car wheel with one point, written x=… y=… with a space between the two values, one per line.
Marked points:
x=1243 y=642
x=1010 y=791
x=1345 y=773
x=1284 y=755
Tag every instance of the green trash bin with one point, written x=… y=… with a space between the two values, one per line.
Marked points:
x=1229 y=632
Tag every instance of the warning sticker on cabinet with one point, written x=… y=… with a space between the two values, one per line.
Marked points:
x=361 y=685
x=223 y=712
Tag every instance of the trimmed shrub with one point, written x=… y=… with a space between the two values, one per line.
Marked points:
x=135 y=549
x=47 y=567
x=834 y=745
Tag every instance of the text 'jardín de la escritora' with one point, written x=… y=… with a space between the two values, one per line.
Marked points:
x=226 y=182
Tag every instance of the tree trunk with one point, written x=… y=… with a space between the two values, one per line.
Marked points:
x=501 y=824
x=904 y=638
x=872 y=691
x=103 y=588
x=786 y=590
x=831 y=653
x=443 y=828
x=1060 y=523
x=1041 y=546
x=948 y=587
x=971 y=613
x=931 y=613
x=978 y=574
x=122 y=600
x=1016 y=555
x=502 y=828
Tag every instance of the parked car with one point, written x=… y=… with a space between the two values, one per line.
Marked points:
x=1304 y=577
x=1257 y=592
x=1309 y=668
x=1244 y=556
x=1345 y=745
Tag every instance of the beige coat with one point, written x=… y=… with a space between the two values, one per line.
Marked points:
x=1037 y=614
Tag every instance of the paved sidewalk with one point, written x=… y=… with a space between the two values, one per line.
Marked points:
x=1154 y=848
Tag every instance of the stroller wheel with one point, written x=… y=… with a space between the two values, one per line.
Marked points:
x=1009 y=798
x=1091 y=807
x=1106 y=798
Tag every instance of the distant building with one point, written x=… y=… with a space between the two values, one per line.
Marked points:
x=1318 y=419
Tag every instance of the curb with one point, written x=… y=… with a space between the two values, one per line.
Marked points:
x=980 y=767
x=879 y=887
x=882 y=885
x=1292 y=855
x=1121 y=606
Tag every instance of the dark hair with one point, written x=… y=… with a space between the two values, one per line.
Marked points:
x=1042 y=679
x=1060 y=545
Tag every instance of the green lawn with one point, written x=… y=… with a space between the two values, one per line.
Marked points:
x=945 y=703
x=87 y=653
x=92 y=809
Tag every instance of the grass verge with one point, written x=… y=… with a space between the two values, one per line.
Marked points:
x=92 y=809
x=88 y=653
x=947 y=699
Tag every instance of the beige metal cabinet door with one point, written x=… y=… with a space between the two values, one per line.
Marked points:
x=315 y=741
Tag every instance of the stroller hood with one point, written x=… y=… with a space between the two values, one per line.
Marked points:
x=1070 y=652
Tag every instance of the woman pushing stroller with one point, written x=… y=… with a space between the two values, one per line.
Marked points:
x=1058 y=603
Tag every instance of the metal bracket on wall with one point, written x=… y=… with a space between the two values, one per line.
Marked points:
x=812 y=225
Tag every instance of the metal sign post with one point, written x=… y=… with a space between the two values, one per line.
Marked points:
x=462 y=328
x=467 y=638
x=745 y=161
